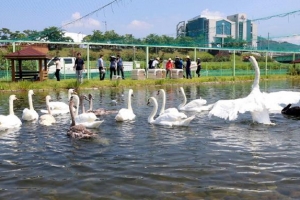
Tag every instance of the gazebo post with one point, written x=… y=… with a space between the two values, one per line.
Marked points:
x=41 y=74
x=20 y=68
x=13 y=71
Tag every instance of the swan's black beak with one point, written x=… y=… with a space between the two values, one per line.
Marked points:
x=157 y=92
x=148 y=103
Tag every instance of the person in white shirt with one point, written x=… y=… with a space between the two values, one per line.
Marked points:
x=155 y=63
x=58 y=67
x=101 y=67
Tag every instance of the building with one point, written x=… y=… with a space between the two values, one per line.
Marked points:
x=211 y=32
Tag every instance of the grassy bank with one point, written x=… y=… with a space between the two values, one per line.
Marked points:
x=71 y=83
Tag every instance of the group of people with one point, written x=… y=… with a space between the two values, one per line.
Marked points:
x=116 y=66
x=177 y=64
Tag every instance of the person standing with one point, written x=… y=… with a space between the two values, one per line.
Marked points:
x=155 y=63
x=79 y=67
x=169 y=66
x=101 y=67
x=112 y=66
x=188 y=67
x=120 y=67
x=58 y=67
x=198 y=67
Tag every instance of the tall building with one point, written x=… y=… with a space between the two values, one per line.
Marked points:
x=211 y=32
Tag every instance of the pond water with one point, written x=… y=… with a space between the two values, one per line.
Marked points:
x=210 y=159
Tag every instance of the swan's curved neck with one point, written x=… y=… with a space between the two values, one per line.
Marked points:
x=11 y=107
x=69 y=94
x=77 y=105
x=82 y=105
x=30 y=102
x=154 y=111
x=257 y=73
x=184 y=98
x=91 y=103
x=162 y=110
x=129 y=100
x=72 y=113
x=48 y=106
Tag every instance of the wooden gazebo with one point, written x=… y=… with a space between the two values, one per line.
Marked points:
x=29 y=53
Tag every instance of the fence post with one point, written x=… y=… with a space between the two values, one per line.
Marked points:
x=233 y=63
x=147 y=61
x=88 y=61
x=266 y=73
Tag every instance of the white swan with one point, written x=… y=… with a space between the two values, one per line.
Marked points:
x=196 y=105
x=47 y=119
x=89 y=120
x=99 y=111
x=10 y=121
x=173 y=111
x=126 y=114
x=30 y=114
x=166 y=119
x=57 y=107
x=257 y=103
x=78 y=131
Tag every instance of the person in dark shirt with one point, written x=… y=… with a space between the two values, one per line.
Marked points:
x=113 y=66
x=198 y=67
x=79 y=67
x=188 y=68
x=120 y=67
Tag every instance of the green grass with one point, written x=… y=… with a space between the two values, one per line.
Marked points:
x=52 y=84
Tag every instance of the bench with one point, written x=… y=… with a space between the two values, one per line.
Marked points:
x=27 y=75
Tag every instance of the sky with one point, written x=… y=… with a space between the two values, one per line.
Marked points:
x=143 y=17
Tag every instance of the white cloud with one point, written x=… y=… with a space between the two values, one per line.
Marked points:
x=295 y=39
x=139 y=25
x=212 y=14
x=86 y=22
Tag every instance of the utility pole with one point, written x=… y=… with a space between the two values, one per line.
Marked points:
x=105 y=25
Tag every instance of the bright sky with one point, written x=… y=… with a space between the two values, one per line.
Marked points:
x=143 y=17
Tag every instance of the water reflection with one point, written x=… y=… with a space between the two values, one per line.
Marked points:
x=210 y=159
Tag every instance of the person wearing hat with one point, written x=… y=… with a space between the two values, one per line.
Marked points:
x=188 y=67
x=169 y=66
x=155 y=63
x=113 y=66
x=58 y=67
x=198 y=67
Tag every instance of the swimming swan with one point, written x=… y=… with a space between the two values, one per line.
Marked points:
x=78 y=131
x=59 y=108
x=10 y=121
x=126 y=114
x=47 y=119
x=166 y=119
x=30 y=114
x=255 y=103
x=174 y=111
x=196 y=105
x=89 y=120
x=291 y=111
x=99 y=111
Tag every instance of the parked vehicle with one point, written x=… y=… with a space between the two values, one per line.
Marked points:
x=66 y=63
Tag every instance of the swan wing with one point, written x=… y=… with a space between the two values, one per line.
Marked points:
x=273 y=100
x=175 y=112
x=47 y=120
x=194 y=105
x=184 y=122
x=92 y=125
x=58 y=105
x=29 y=115
x=125 y=114
x=9 y=122
x=85 y=117
x=229 y=109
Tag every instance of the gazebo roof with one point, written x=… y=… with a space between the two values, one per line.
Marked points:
x=28 y=53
